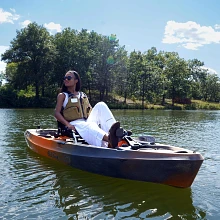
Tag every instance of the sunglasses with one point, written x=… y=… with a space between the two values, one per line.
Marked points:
x=67 y=77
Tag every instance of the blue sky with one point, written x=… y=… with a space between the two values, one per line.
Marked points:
x=189 y=27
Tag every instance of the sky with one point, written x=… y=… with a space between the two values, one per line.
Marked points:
x=189 y=27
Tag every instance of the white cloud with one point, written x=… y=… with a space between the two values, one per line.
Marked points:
x=2 y=64
x=8 y=17
x=25 y=23
x=217 y=26
x=210 y=70
x=190 y=35
x=53 y=28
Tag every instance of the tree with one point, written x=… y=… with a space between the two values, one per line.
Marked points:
x=135 y=70
x=120 y=73
x=213 y=87
x=177 y=75
x=106 y=63
x=65 y=43
x=197 y=77
x=145 y=75
x=160 y=62
x=32 y=50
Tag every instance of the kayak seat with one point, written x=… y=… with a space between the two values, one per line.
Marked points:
x=64 y=131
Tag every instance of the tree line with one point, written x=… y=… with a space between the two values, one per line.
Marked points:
x=37 y=61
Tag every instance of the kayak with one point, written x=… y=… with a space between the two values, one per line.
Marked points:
x=141 y=159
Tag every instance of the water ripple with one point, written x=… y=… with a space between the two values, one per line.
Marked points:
x=33 y=187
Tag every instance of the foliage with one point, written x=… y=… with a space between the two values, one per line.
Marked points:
x=30 y=58
x=36 y=62
x=26 y=93
x=8 y=97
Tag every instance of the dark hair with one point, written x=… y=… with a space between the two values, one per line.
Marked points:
x=78 y=84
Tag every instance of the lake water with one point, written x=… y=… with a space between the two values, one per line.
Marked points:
x=33 y=187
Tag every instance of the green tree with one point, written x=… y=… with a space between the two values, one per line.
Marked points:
x=32 y=50
x=121 y=75
x=135 y=70
x=160 y=62
x=177 y=74
x=64 y=43
x=197 y=77
x=76 y=50
x=106 y=63
x=213 y=87
x=151 y=70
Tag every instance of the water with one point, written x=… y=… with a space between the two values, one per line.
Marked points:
x=33 y=187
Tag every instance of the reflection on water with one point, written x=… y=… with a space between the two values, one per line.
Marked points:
x=35 y=187
x=84 y=195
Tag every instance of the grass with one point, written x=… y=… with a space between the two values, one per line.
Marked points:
x=117 y=102
x=206 y=105
x=137 y=104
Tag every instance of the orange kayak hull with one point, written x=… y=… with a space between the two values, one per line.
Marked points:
x=156 y=163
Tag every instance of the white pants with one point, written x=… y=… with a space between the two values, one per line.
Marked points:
x=96 y=126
